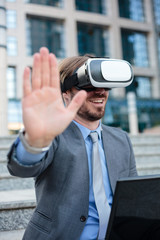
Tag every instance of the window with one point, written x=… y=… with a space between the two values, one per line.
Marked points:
x=11 y=82
x=11 y=46
x=159 y=49
x=156 y=4
x=92 y=39
x=14 y=115
x=45 y=32
x=53 y=3
x=132 y=9
x=97 y=6
x=134 y=45
x=11 y=18
x=141 y=86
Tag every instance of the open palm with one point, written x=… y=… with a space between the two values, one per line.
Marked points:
x=44 y=114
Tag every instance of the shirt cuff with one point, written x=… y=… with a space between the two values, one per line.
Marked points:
x=25 y=157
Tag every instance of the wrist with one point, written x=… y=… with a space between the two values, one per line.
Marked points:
x=28 y=146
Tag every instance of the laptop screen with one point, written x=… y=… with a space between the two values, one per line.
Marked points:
x=135 y=213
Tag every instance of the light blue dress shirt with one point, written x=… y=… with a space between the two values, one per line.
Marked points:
x=90 y=231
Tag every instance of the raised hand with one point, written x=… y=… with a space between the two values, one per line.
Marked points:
x=44 y=114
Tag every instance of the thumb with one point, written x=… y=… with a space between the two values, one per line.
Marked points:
x=77 y=102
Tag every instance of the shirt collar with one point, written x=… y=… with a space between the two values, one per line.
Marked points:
x=85 y=131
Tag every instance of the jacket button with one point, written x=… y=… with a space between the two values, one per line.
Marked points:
x=82 y=218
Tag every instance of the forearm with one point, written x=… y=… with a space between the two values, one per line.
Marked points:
x=21 y=165
x=25 y=157
x=16 y=168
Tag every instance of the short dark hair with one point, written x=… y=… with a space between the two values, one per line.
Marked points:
x=68 y=65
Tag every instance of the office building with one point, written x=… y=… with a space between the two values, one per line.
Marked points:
x=123 y=29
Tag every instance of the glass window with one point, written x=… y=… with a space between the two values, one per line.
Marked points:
x=45 y=32
x=134 y=45
x=97 y=6
x=54 y=3
x=14 y=114
x=11 y=18
x=92 y=39
x=11 y=46
x=159 y=49
x=2 y=17
x=132 y=9
x=141 y=86
x=11 y=82
x=10 y=0
x=156 y=4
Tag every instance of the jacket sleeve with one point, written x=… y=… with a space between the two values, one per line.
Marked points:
x=20 y=170
x=132 y=170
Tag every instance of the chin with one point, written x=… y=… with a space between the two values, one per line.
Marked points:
x=91 y=116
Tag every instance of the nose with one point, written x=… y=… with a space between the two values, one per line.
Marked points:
x=99 y=91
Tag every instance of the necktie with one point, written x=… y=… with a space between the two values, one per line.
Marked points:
x=102 y=205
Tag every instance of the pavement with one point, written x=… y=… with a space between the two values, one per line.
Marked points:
x=154 y=130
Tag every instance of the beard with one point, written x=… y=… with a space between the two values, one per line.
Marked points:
x=91 y=115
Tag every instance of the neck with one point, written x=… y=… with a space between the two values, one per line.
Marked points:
x=92 y=125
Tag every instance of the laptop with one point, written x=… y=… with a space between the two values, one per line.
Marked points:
x=135 y=213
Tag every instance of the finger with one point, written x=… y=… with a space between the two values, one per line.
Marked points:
x=36 y=72
x=45 y=66
x=54 y=78
x=26 y=82
x=77 y=102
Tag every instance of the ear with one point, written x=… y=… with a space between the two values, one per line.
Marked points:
x=67 y=97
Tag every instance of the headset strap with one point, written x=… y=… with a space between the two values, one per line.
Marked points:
x=69 y=82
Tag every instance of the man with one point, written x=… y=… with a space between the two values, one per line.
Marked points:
x=56 y=149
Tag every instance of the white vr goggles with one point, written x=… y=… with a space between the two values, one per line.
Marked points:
x=100 y=73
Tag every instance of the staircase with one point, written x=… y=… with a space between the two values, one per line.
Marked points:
x=147 y=153
x=17 y=197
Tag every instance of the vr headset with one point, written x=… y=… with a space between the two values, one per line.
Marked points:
x=100 y=73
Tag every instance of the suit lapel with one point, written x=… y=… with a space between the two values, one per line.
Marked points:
x=109 y=146
x=81 y=157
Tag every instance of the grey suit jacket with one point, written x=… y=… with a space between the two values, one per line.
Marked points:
x=62 y=181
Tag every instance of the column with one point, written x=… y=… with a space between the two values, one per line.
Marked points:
x=132 y=113
x=71 y=28
x=3 y=66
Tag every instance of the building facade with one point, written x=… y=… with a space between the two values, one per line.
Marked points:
x=123 y=29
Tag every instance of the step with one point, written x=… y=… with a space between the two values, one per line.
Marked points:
x=145 y=139
x=12 y=235
x=3 y=153
x=143 y=160
x=8 y=182
x=148 y=171
x=148 y=164
x=7 y=140
x=16 y=209
x=146 y=150
x=3 y=167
